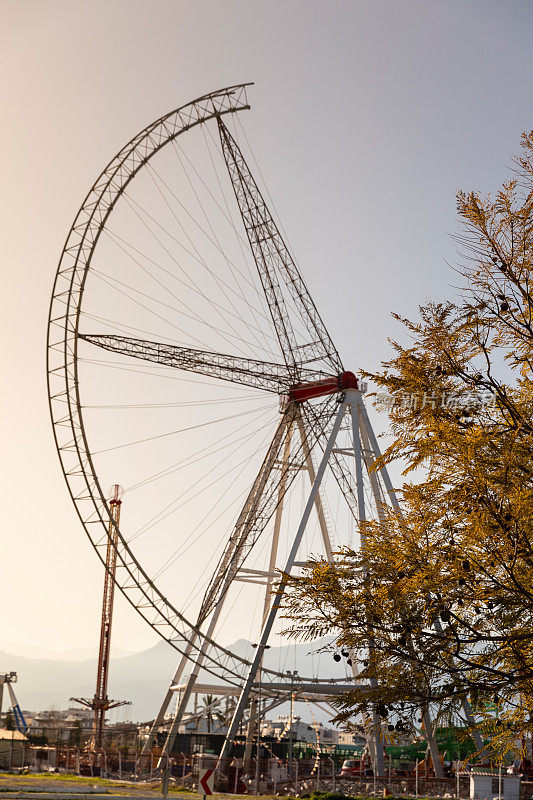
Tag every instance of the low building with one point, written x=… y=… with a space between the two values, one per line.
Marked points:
x=349 y=737
x=326 y=736
x=70 y=726
x=43 y=759
x=487 y=784
x=14 y=749
x=298 y=730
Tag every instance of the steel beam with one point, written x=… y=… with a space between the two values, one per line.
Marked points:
x=245 y=692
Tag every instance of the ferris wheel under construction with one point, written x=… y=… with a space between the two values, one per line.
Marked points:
x=179 y=315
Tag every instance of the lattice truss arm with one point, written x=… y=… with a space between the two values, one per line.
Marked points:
x=265 y=493
x=249 y=372
x=276 y=265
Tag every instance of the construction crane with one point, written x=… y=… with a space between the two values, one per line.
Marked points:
x=101 y=703
x=7 y=679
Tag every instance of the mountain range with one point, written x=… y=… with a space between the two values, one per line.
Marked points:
x=48 y=680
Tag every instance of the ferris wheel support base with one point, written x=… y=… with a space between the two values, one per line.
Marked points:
x=350 y=404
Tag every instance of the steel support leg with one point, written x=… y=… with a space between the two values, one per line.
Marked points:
x=245 y=692
x=245 y=520
x=250 y=728
x=383 y=471
x=191 y=681
x=167 y=699
x=433 y=749
x=277 y=521
x=356 y=404
x=318 y=501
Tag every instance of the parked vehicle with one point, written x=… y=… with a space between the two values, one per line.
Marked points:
x=356 y=768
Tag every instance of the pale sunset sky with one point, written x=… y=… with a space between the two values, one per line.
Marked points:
x=367 y=116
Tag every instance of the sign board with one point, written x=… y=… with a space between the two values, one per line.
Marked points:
x=205 y=781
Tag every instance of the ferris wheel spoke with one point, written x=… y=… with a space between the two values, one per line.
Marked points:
x=343 y=474
x=253 y=518
x=225 y=316
x=268 y=490
x=226 y=289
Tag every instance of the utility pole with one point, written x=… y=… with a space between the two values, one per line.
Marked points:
x=258 y=719
x=101 y=703
x=293 y=675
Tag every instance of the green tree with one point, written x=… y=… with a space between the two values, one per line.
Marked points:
x=211 y=710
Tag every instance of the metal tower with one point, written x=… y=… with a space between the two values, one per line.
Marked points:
x=101 y=703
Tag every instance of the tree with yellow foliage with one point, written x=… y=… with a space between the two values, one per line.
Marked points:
x=438 y=606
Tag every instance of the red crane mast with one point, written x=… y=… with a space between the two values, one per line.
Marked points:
x=101 y=703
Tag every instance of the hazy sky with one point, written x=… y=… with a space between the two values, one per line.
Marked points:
x=366 y=118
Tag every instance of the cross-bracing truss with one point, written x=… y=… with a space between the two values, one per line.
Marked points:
x=318 y=400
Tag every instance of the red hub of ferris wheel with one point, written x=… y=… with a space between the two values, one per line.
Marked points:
x=307 y=391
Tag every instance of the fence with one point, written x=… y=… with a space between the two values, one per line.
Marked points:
x=271 y=775
x=268 y=775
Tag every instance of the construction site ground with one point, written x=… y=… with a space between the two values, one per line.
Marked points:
x=71 y=787
x=65 y=787
x=44 y=786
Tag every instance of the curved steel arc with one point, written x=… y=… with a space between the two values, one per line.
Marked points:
x=221 y=662
x=65 y=307
x=246 y=371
